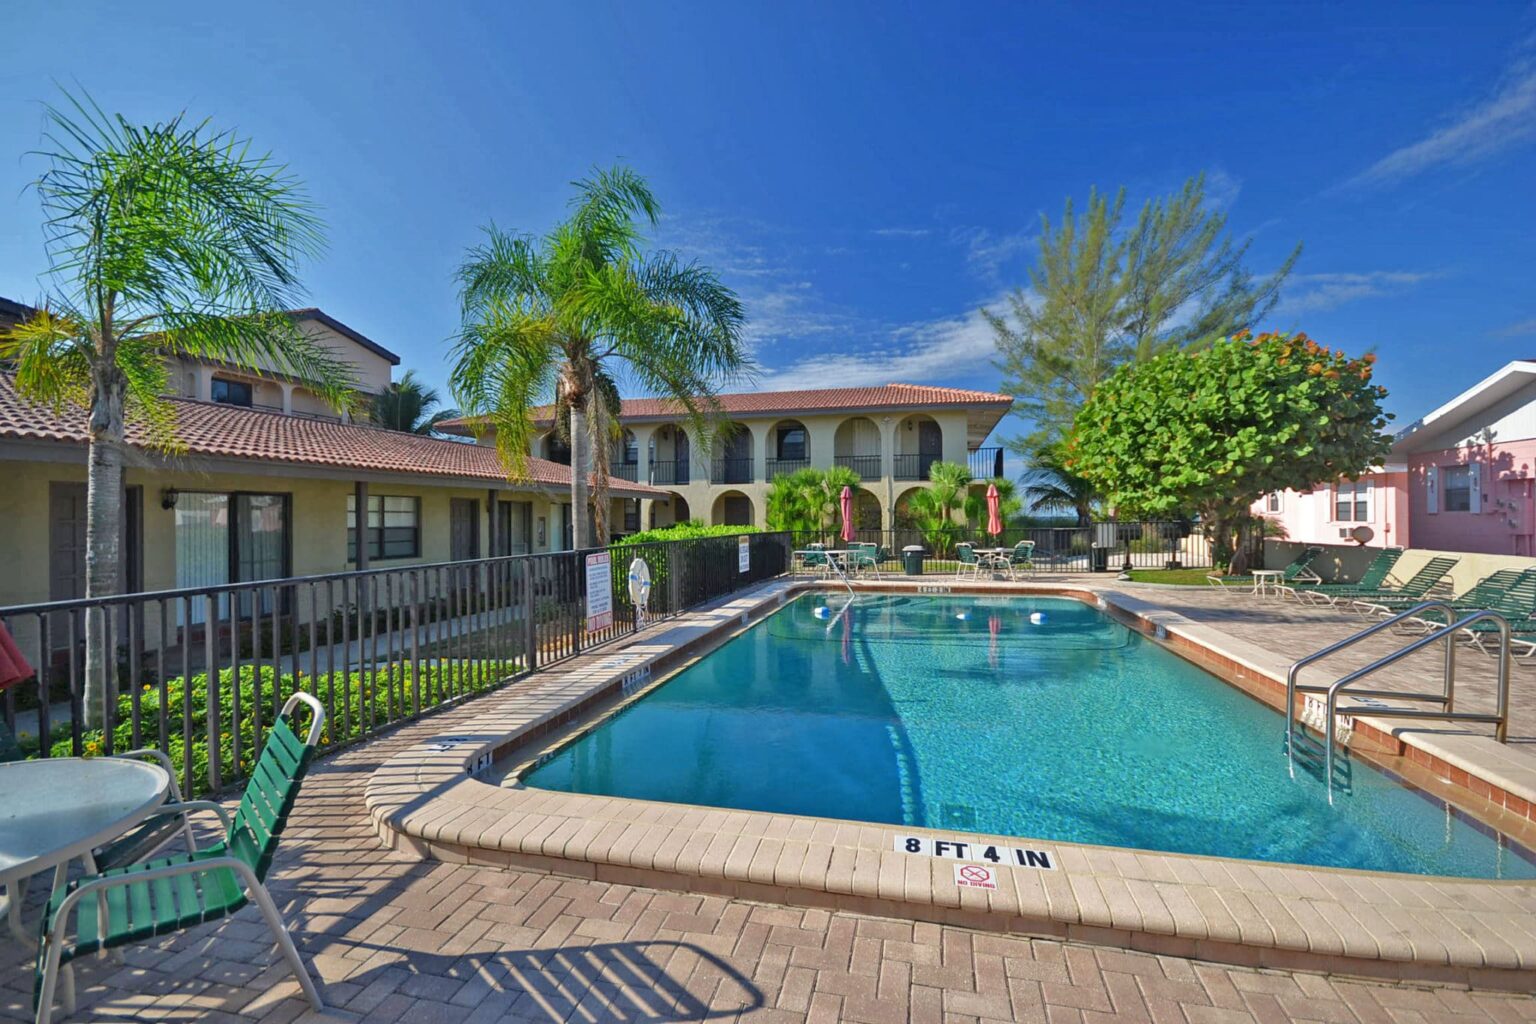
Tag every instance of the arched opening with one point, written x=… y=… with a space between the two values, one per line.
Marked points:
x=557 y=449
x=789 y=448
x=856 y=446
x=669 y=513
x=669 y=456
x=919 y=444
x=867 y=518
x=732 y=508
x=904 y=529
x=732 y=456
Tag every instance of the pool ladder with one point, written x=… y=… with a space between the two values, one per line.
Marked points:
x=1445 y=698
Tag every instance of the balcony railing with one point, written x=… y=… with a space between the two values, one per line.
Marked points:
x=376 y=647
x=670 y=473
x=732 y=471
x=913 y=467
x=985 y=463
x=624 y=471
x=784 y=467
x=867 y=466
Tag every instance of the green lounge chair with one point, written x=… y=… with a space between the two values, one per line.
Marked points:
x=1414 y=590
x=1298 y=571
x=1485 y=593
x=1372 y=579
x=1517 y=604
x=175 y=893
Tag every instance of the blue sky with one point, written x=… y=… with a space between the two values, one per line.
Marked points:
x=866 y=175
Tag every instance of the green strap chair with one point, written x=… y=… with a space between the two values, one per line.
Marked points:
x=1298 y=571
x=965 y=554
x=1022 y=557
x=1413 y=590
x=1485 y=593
x=863 y=557
x=1517 y=604
x=138 y=902
x=1372 y=579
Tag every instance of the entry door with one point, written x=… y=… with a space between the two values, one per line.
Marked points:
x=66 y=541
x=680 y=457
x=930 y=445
x=463 y=529
x=514 y=527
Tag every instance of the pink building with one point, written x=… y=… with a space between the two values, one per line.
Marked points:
x=1472 y=465
x=1373 y=511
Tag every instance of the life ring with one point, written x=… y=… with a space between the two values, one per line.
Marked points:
x=640 y=585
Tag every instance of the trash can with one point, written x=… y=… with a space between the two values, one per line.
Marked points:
x=912 y=559
x=1100 y=559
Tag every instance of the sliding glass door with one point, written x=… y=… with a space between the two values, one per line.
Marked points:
x=231 y=538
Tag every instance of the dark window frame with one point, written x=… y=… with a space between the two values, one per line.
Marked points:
x=227 y=385
x=379 y=539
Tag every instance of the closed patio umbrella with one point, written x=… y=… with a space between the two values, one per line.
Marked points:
x=847 y=507
x=994 y=511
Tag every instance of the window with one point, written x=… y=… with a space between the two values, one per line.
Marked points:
x=231 y=392
x=231 y=538
x=631 y=450
x=791 y=444
x=394 y=527
x=1456 y=486
x=1352 y=501
x=632 y=516
x=1273 y=504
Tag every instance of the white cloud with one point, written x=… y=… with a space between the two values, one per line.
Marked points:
x=946 y=349
x=987 y=252
x=1221 y=188
x=1312 y=293
x=1503 y=119
x=901 y=232
x=1523 y=329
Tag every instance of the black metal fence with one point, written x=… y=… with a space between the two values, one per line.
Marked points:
x=200 y=673
x=1097 y=547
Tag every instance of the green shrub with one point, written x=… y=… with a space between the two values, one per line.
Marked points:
x=684 y=531
x=360 y=704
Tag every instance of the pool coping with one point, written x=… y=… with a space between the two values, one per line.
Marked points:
x=426 y=800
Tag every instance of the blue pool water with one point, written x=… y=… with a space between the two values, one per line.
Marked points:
x=1031 y=717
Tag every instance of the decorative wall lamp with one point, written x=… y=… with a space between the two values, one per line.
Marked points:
x=168 y=496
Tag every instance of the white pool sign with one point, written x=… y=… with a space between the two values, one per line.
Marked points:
x=967 y=850
x=599 y=591
x=975 y=876
x=744 y=553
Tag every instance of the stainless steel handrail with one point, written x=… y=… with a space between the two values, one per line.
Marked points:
x=1500 y=716
x=1292 y=687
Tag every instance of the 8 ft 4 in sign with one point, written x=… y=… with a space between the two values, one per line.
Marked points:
x=965 y=849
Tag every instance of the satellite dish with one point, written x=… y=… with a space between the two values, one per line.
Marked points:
x=1362 y=535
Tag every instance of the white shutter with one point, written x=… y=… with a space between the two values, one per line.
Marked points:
x=1432 y=489
x=1475 y=486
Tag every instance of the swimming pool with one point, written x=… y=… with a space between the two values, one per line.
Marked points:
x=1034 y=717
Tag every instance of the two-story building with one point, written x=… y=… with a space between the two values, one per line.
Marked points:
x=271 y=483
x=889 y=435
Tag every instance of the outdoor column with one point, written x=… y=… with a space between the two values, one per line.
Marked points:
x=360 y=522
x=287 y=390
x=888 y=463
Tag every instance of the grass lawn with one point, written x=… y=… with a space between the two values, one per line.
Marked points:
x=1182 y=577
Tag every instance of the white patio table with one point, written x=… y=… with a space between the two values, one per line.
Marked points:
x=57 y=809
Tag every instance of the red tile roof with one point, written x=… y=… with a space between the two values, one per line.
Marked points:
x=888 y=396
x=227 y=431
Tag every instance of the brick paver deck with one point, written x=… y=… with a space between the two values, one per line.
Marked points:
x=395 y=939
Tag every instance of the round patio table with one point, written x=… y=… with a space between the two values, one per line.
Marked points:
x=56 y=809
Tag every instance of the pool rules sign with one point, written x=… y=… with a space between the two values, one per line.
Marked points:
x=599 y=591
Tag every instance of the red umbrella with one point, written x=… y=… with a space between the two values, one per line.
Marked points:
x=994 y=512
x=847 y=504
x=13 y=667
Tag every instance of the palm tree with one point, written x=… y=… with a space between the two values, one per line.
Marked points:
x=1052 y=486
x=563 y=315
x=407 y=405
x=975 y=503
x=809 y=500
x=165 y=240
x=935 y=508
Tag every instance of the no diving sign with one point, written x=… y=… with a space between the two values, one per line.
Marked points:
x=975 y=876
x=965 y=849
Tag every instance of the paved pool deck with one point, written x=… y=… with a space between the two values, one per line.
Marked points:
x=393 y=937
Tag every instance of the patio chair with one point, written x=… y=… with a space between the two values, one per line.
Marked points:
x=1298 y=571
x=1372 y=578
x=969 y=565
x=862 y=557
x=176 y=893
x=1022 y=557
x=1417 y=586
x=1517 y=604
x=814 y=558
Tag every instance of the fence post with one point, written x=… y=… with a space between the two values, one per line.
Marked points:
x=530 y=627
x=211 y=671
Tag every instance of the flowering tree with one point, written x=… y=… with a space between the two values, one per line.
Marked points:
x=1212 y=430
